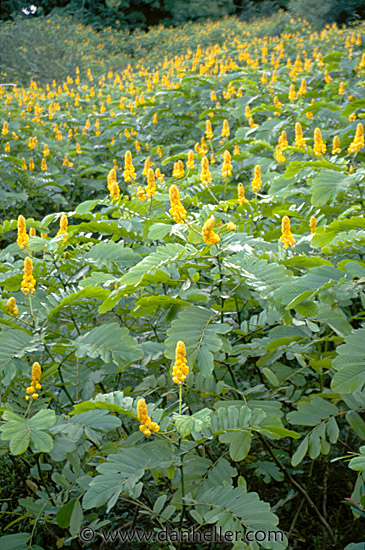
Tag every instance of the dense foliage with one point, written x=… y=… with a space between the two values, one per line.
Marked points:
x=182 y=319
x=132 y=14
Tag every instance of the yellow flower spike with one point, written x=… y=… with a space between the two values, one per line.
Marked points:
x=203 y=148
x=299 y=139
x=177 y=210
x=141 y=194
x=327 y=77
x=147 y=165
x=292 y=93
x=5 y=129
x=129 y=171
x=28 y=283
x=256 y=182
x=336 y=145
x=112 y=178
x=286 y=235
x=11 y=307
x=319 y=146
x=7 y=147
x=159 y=176
x=32 y=232
x=213 y=96
x=209 y=236
x=151 y=185
x=23 y=238
x=205 y=175
x=114 y=191
x=236 y=150
x=225 y=129
x=24 y=165
x=358 y=141
x=341 y=89
x=208 y=130
x=142 y=415
x=44 y=165
x=231 y=226
x=283 y=141
x=178 y=171
x=241 y=194
x=227 y=165
x=279 y=154
x=313 y=224
x=277 y=102
x=190 y=162
x=252 y=123
x=180 y=370
x=303 y=88
x=63 y=227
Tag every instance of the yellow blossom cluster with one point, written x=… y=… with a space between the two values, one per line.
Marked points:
x=11 y=306
x=177 y=210
x=286 y=235
x=313 y=224
x=63 y=227
x=180 y=370
x=209 y=236
x=28 y=282
x=205 y=175
x=178 y=171
x=256 y=182
x=208 y=130
x=113 y=186
x=151 y=184
x=35 y=384
x=225 y=129
x=319 y=146
x=336 y=145
x=241 y=194
x=358 y=141
x=227 y=164
x=190 y=162
x=141 y=193
x=146 y=424
x=23 y=238
x=129 y=171
x=299 y=139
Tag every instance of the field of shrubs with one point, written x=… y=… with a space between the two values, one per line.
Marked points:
x=182 y=314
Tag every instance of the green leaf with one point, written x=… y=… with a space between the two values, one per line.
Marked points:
x=114 y=402
x=107 y=253
x=80 y=298
x=14 y=343
x=327 y=185
x=158 y=231
x=152 y=264
x=234 y=502
x=19 y=541
x=121 y=472
x=356 y=423
x=300 y=452
x=350 y=363
x=64 y=514
x=76 y=519
x=239 y=445
x=110 y=342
